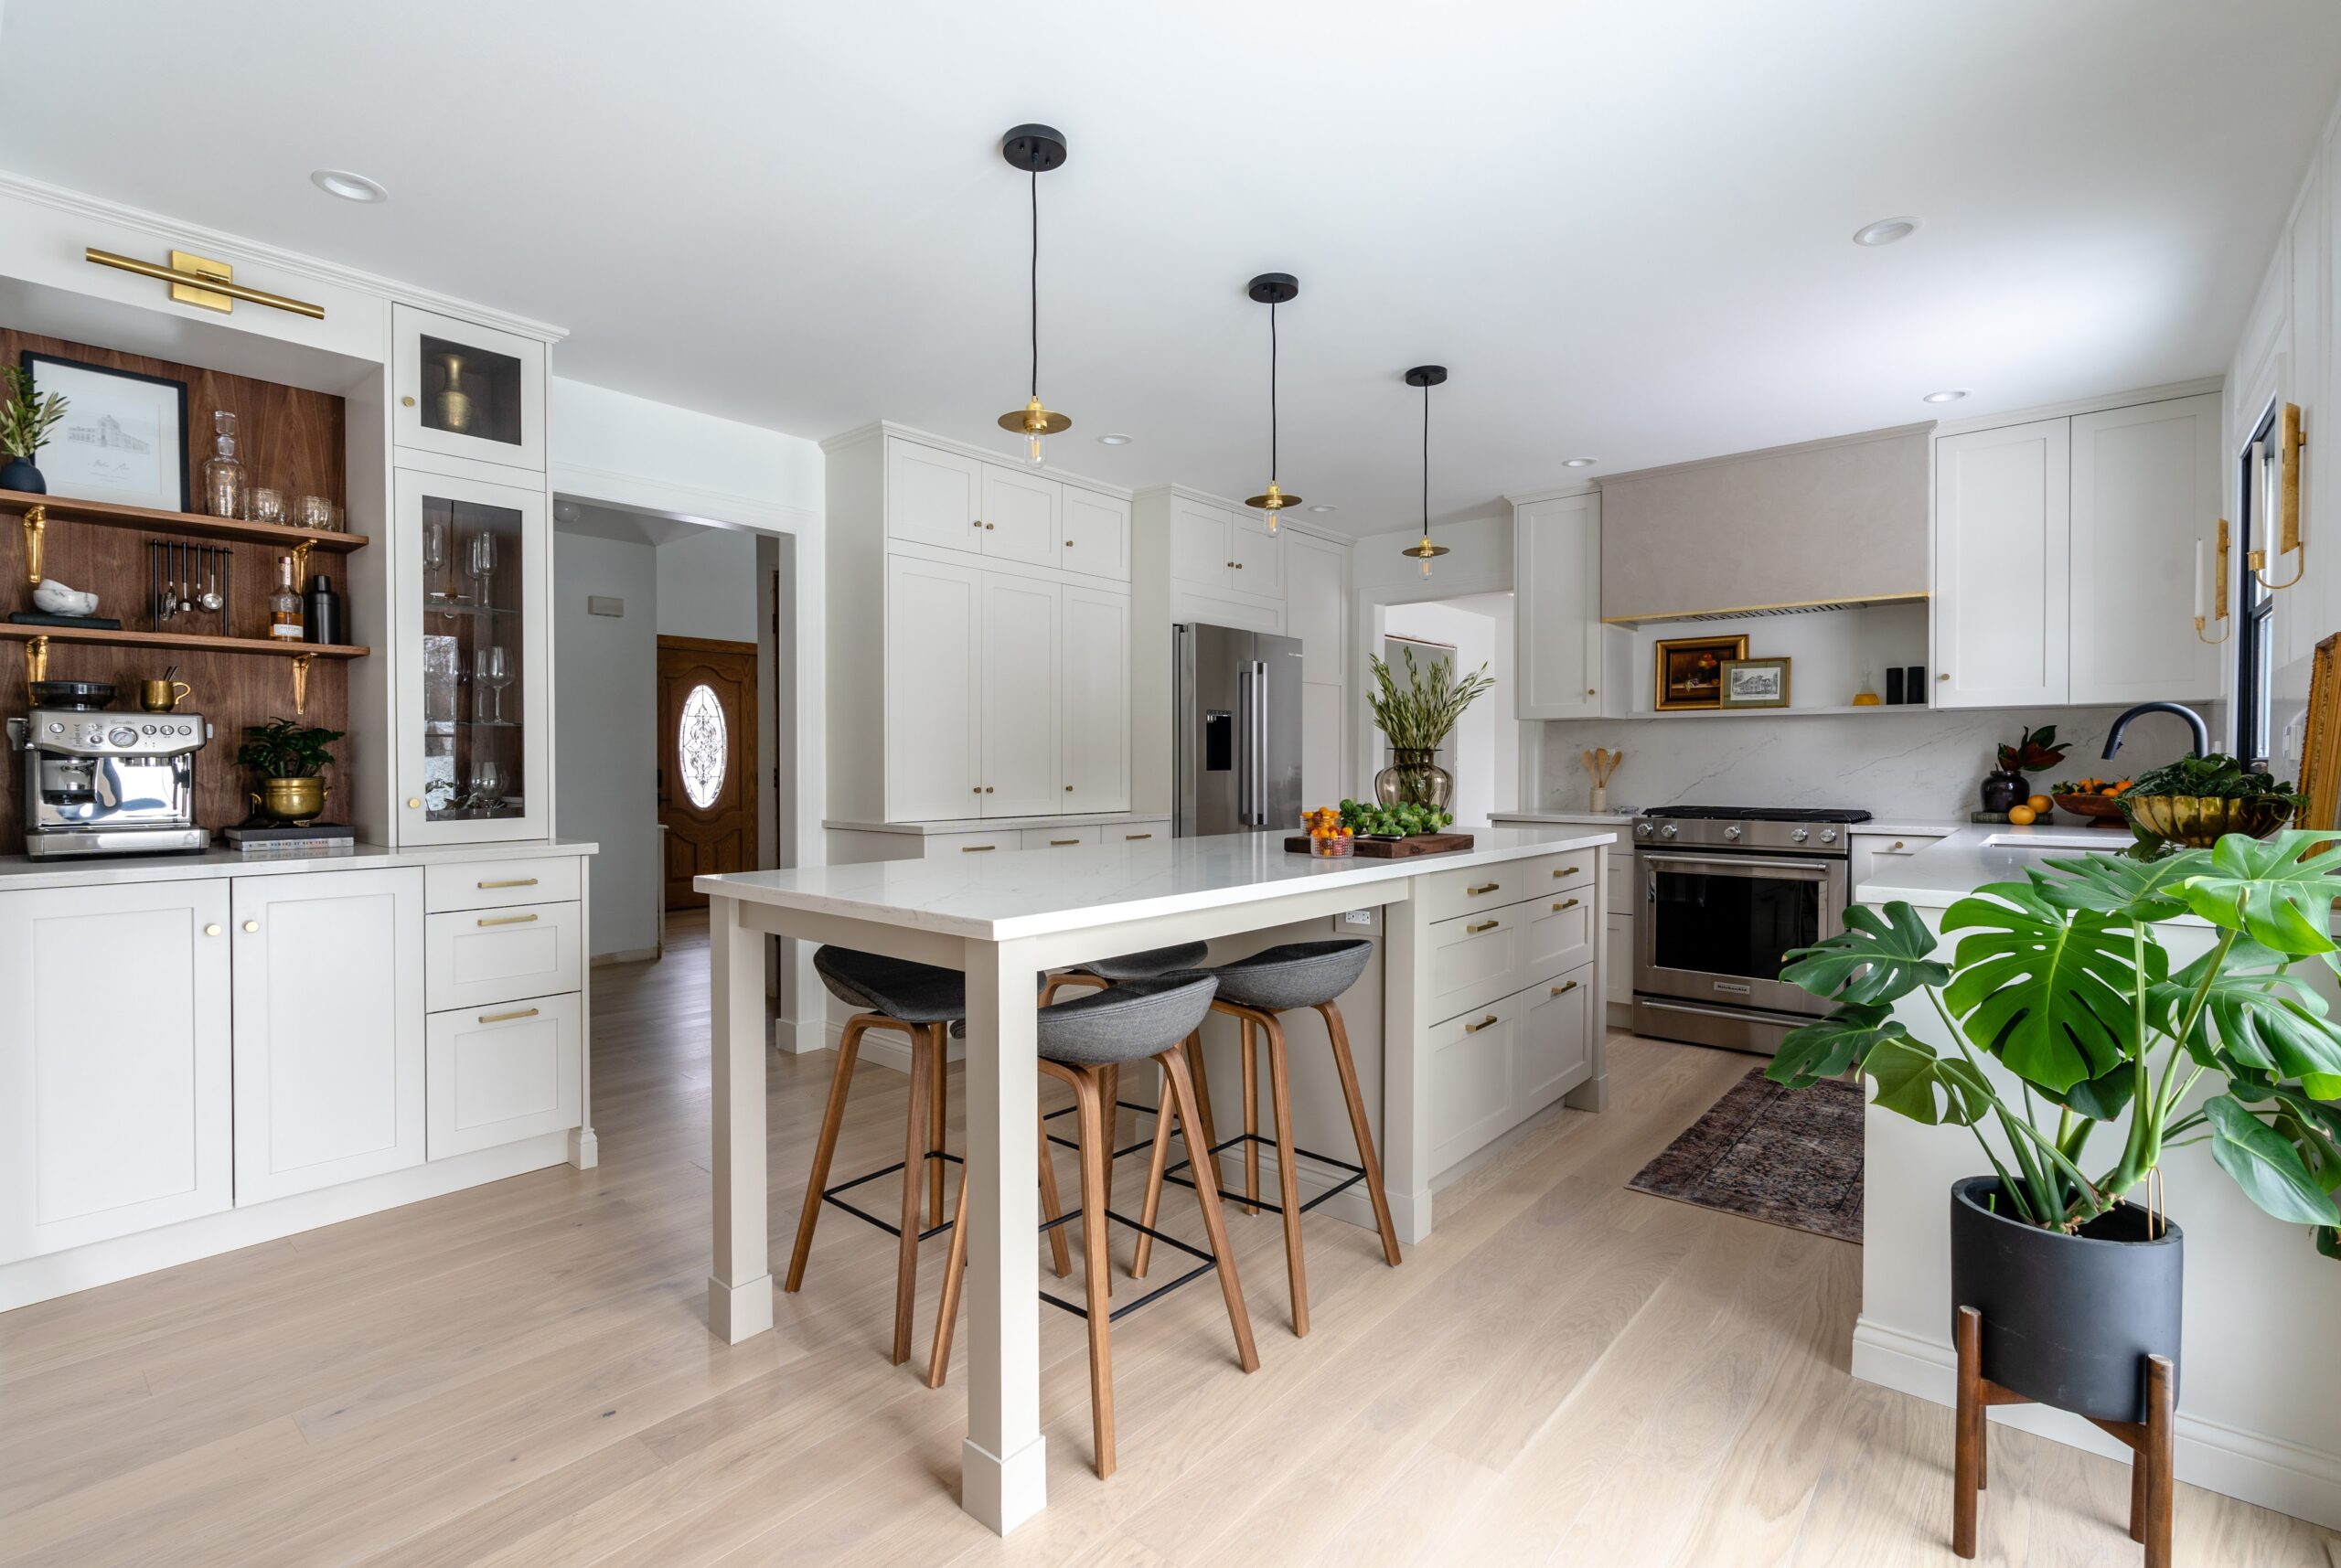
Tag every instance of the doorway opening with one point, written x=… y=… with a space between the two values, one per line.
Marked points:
x=707 y=762
x=1482 y=752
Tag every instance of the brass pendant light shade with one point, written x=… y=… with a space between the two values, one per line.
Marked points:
x=1426 y=376
x=1035 y=149
x=1273 y=289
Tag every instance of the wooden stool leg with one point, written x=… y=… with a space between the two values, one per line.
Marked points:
x=1362 y=1129
x=1250 y=1118
x=2161 y=1452
x=1109 y=1091
x=826 y=1145
x=955 y=1267
x=1287 y=1172
x=1088 y=1095
x=938 y=1104
x=1053 y=1207
x=1178 y=1091
x=1159 y=1163
x=1201 y=1157
x=914 y=1156
x=1967 y=1339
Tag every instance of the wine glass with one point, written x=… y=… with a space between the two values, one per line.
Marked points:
x=435 y=556
x=492 y=668
x=483 y=564
x=487 y=784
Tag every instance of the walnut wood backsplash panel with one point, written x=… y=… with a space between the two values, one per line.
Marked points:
x=287 y=437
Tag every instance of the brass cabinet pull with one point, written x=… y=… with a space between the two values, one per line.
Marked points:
x=1484 y=926
x=1483 y=888
x=506 y=1018
x=977 y=848
x=1567 y=871
x=512 y=883
x=1564 y=903
x=1474 y=1028
x=1129 y=836
x=1060 y=843
x=507 y=920
x=1564 y=990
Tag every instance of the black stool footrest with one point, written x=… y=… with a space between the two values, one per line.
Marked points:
x=1356 y=1174
x=1210 y=1264
x=829 y=1195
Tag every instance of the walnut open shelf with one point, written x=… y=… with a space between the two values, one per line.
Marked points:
x=184 y=525
x=183 y=641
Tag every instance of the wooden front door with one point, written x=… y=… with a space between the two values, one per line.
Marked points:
x=707 y=761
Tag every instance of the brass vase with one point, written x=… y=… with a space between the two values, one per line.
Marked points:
x=454 y=403
x=296 y=801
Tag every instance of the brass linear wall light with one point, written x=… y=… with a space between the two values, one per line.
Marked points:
x=200 y=281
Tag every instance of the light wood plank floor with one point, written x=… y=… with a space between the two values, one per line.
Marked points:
x=1566 y=1373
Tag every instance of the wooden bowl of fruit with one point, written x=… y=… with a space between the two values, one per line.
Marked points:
x=2098 y=798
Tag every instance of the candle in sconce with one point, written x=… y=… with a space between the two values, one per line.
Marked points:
x=2198 y=582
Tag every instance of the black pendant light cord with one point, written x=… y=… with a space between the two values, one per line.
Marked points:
x=1426 y=462
x=1272 y=391
x=1036 y=282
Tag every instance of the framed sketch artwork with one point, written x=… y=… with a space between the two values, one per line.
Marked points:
x=124 y=437
x=1754 y=683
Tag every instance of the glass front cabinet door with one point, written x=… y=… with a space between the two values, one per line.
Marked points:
x=468 y=391
x=471 y=681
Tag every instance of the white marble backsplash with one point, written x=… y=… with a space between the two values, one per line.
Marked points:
x=1905 y=762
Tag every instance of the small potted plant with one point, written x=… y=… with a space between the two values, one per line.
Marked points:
x=2196 y=800
x=24 y=424
x=1414 y=721
x=288 y=757
x=2063 y=1014
x=2036 y=752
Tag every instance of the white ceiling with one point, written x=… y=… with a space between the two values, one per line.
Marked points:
x=1624 y=227
x=621 y=524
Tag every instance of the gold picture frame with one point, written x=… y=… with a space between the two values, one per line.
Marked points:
x=2320 y=750
x=1748 y=683
x=1689 y=671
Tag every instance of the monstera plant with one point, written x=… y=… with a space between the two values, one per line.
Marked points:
x=2063 y=979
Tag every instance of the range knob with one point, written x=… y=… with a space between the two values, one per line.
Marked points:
x=1669 y=831
x=1800 y=835
x=125 y=736
x=1732 y=832
x=1641 y=829
x=1828 y=835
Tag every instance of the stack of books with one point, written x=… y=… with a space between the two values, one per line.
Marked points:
x=283 y=838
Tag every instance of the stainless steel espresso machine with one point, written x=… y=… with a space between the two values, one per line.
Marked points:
x=97 y=783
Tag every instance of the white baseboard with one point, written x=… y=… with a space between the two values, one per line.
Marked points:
x=625 y=955
x=123 y=1257
x=2272 y=1473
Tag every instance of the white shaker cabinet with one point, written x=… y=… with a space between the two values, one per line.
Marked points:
x=933 y=496
x=1022 y=516
x=1093 y=697
x=1096 y=535
x=933 y=691
x=1022 y=775
x=2145 y=487
x=2003 y=564
x=328 y=1029
x=1557 y=631
x=115 y=1109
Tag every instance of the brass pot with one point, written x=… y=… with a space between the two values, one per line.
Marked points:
x=297 y=801
x=2200 y=821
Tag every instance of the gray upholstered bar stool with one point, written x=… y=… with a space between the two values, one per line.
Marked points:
x=1081 y=1041
x=1147 y=965
x=922 y=1001
x=1253 y=991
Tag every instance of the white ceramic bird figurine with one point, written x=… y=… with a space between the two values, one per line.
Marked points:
x=57 y=599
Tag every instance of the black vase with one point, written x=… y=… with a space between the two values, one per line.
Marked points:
x=2003 y=790
x=18 y=473
x=2068 y=1319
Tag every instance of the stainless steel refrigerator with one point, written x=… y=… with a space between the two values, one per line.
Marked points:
x=1237 y=749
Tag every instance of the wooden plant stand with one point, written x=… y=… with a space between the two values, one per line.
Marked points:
x=2150 y=1443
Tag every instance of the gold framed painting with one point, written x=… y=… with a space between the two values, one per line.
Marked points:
x=1754 y=683
x=2321 y=749
x=1690 y=671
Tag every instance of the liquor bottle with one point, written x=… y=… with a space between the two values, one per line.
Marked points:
x=284 y=618
x=223 y=476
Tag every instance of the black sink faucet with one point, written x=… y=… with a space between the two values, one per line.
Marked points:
x=2193 y=721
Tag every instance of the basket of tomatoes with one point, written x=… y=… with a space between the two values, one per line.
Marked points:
x=2097 y=799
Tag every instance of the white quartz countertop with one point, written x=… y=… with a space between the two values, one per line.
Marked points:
x=1971 y=856
x=22 y=871
x=996 y=824
x=1038 y=892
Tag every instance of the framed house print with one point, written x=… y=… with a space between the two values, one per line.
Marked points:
x=124 y=437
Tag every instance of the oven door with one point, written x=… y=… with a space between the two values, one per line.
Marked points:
x=1715 y=928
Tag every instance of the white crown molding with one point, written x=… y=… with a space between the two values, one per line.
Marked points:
x=2161 y=394
x=1559 y=492
x=235 y=247
x=876 y=428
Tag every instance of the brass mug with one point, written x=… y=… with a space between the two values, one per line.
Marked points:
x=162 y=696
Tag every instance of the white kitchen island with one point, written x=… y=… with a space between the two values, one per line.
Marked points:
x=1489 y=1001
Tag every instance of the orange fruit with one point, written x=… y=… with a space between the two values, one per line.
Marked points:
x=2041 y=805
x=2022 y=816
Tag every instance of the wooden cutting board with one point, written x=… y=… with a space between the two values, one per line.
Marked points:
x=1395 y=848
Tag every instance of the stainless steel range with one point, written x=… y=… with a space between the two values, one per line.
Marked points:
x=1727 y=891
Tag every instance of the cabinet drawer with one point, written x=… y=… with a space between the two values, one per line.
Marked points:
x=1901 y=844
x=1554 y=1053
x=494 y=884
x=1443 y=895
x=1557 y=936
x=1471 y=1078
x=1471 y=961
x=473 y=958
x=1056 y=838
x=500 y=1073
x=943 y=846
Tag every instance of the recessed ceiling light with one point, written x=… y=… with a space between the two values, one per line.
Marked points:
x=348 y=186
x=1113 y=440
x=1886 y=231
x=1577 y=463
x=1324 y=508
x=1948 y=394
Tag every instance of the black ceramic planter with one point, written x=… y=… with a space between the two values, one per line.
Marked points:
x=18 y=473
x=2068 y=1320
x=2003 y=790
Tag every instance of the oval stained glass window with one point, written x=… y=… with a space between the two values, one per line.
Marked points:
x=702 y=745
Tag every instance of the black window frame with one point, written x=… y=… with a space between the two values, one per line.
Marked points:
x=2256 y=477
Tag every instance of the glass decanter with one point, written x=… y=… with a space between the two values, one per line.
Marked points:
x=223 y=475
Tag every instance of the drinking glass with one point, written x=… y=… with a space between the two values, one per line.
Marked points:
x=317 y=512
x=435 y=556
x=492 y=668
x=487 y=784
x=267 y=505
x=483 y=564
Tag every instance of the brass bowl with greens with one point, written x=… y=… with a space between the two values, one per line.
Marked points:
x=2196 y=801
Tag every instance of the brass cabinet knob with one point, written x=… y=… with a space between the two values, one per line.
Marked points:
x=987 y=789
x=212 y=930
x=1945 y=676
x=1588 y=691
x=988 y=526
x=252 y=925
x=1068 y=544
x=1068 y=789
x=406 y=403
x=413 y=804
x=976 y=524
x=977 y=790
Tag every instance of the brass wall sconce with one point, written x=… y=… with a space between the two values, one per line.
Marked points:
x=200 y=281
x=2219 y=588
x=2288 y=441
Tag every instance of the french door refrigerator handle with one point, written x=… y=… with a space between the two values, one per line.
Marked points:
x=1259 y=745
x=1246 y=746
